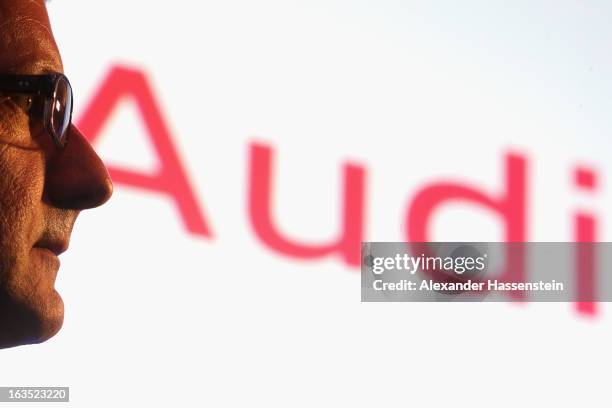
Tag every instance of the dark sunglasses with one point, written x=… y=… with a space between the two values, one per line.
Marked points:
x=56 y=92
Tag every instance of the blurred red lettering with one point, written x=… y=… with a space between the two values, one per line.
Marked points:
x=171 y=179
x=509 y=204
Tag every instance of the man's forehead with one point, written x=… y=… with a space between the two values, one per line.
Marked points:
x=27 y=45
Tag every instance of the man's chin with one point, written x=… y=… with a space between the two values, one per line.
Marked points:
x=31 y=321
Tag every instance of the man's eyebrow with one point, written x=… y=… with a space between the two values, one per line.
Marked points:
x=41 y=66
x=50 y=71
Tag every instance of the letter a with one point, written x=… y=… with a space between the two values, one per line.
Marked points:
x=171 y=178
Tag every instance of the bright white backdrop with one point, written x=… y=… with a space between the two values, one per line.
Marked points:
x=414 y=91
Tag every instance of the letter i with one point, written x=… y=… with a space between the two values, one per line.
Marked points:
x=585 y=231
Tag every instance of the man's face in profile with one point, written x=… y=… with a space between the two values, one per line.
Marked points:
x=43 y=186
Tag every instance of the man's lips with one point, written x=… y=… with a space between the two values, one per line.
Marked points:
x=55 y=245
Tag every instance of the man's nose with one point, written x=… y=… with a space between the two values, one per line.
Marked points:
x=76 y=178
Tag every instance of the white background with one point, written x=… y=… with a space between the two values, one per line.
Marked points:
x=414 y=91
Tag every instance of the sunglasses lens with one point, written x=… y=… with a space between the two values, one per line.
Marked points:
x=61 y=109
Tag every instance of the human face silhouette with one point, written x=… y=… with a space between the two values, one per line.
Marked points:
x=43 y=187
